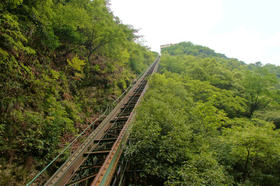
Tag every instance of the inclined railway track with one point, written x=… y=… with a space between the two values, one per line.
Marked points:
x=95 y=161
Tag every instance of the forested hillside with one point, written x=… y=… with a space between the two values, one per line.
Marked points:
x=61 y=62
x=207 y=120
x=187 y=48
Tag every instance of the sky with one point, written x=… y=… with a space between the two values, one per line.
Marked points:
x=248 y=30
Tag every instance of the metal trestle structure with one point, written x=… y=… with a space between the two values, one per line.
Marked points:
x=95 y=161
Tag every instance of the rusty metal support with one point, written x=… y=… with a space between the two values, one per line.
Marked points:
x=98 y=152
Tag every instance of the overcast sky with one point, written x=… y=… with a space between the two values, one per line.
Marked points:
x=245 y=29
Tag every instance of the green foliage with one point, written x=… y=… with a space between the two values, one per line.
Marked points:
x=202 y=169
x=254 y=151
x=206 y=120
x=258 y=89
x=10 y=4
x=11 y=38
x=76 y=64
x=187 y=48
x=171 y=124
x=61 y=63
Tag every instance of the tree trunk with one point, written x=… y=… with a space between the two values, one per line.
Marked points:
x=245 y=173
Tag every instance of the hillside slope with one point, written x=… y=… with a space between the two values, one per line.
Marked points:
x=207 y=120
x=61 y=62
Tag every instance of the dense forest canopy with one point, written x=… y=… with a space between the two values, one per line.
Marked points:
x=61 y=62
x=207 y=120
x=188 y=48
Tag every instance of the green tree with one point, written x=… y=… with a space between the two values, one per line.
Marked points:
x=252 y=151
x=258 y=88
